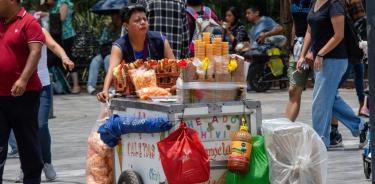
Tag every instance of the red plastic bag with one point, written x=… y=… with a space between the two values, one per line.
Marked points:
x=183 y=157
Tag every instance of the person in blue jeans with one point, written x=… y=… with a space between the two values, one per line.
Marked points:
x=108 y=36
x=13 y=153
x=45 y=102
x=330 y=64
x=357 y=13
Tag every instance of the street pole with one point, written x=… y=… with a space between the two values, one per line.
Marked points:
x=371 y=74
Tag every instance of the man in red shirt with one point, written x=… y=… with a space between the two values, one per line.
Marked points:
x=21 y=40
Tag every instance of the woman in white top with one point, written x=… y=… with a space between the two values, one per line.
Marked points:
x=45 y=102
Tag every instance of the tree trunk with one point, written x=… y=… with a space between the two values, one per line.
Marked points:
x=286 y=19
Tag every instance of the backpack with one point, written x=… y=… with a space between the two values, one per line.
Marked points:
x=59 y=83
x=352 y=39
x=204 y=22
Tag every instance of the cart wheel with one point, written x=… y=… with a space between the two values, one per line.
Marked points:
x=129 y=177
x=366 y=168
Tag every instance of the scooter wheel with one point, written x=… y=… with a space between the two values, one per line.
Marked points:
x=255 y=78
x=129 y=177
x=367 y=168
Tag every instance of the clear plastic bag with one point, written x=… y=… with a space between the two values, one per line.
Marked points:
x=143 y=78
x=146 y=93
x=99 y=159
x=296 y=153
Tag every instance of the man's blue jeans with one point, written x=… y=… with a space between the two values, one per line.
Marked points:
x=327 y=102
x=95 y=65
x=359 y=71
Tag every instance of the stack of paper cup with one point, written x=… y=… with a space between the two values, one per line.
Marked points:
x=200 y=49
x=206 y=37
x=225 y=47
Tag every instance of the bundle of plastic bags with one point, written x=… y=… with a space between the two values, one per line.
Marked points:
x=99 y=159
x=296 y=153
x=111 y=131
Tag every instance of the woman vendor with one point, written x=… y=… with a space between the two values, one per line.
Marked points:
x=138 y=43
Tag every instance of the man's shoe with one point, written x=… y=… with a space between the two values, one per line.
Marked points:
x=363 y=136
x=336 y=139
x=19 y=178
x=49 y=171
x=13 y=154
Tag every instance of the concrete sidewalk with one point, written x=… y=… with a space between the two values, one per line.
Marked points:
x=76 y=115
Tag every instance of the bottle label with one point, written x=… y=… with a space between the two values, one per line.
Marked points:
x=240 y=148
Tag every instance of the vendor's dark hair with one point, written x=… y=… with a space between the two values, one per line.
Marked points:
x=194 y=2
x=236 y=14
x=129 y=10
x=256 y=7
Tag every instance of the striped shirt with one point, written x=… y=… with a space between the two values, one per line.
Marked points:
x=169 y=18
x=356 y=9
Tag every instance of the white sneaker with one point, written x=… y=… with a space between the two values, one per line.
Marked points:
x=19 y=178
x=49 y=171
x=90 y=90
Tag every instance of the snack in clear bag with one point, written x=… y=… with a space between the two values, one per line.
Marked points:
x=143 y=78
x=99 y=159
x=146 y=93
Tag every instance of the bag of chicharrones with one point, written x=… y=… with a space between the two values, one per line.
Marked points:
x=143 y=78
x=99 y=160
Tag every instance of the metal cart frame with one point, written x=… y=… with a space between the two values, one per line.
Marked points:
x=129 y=169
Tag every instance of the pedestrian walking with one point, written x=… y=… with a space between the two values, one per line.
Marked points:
x=357 y=13
x=45 y=104
x=21 y=40
x=330 y=63
x=297 y=79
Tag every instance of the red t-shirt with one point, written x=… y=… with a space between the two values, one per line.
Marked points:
x=14 y=51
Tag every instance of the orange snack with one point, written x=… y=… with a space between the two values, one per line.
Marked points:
x=146 y=93
x=143 y=79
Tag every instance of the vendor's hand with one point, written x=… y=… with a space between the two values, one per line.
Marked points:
x=18 y=88
x=68 y=64
x=318 y=63
x=261 y=38
x=103 y=96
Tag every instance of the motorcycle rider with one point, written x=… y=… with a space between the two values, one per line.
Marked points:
x=263 y=27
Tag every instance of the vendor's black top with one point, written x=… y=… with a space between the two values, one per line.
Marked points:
x=153 y=47
x=300 y=9
x=322 y=29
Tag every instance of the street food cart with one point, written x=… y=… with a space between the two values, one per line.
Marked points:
x=137 y=158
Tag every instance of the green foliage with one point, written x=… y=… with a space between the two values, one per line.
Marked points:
x=96 y=22
x=83 y=16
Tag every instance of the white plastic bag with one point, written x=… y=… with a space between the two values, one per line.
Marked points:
x=296 y=153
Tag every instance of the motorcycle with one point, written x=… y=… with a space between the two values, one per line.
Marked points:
x=268 y=64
